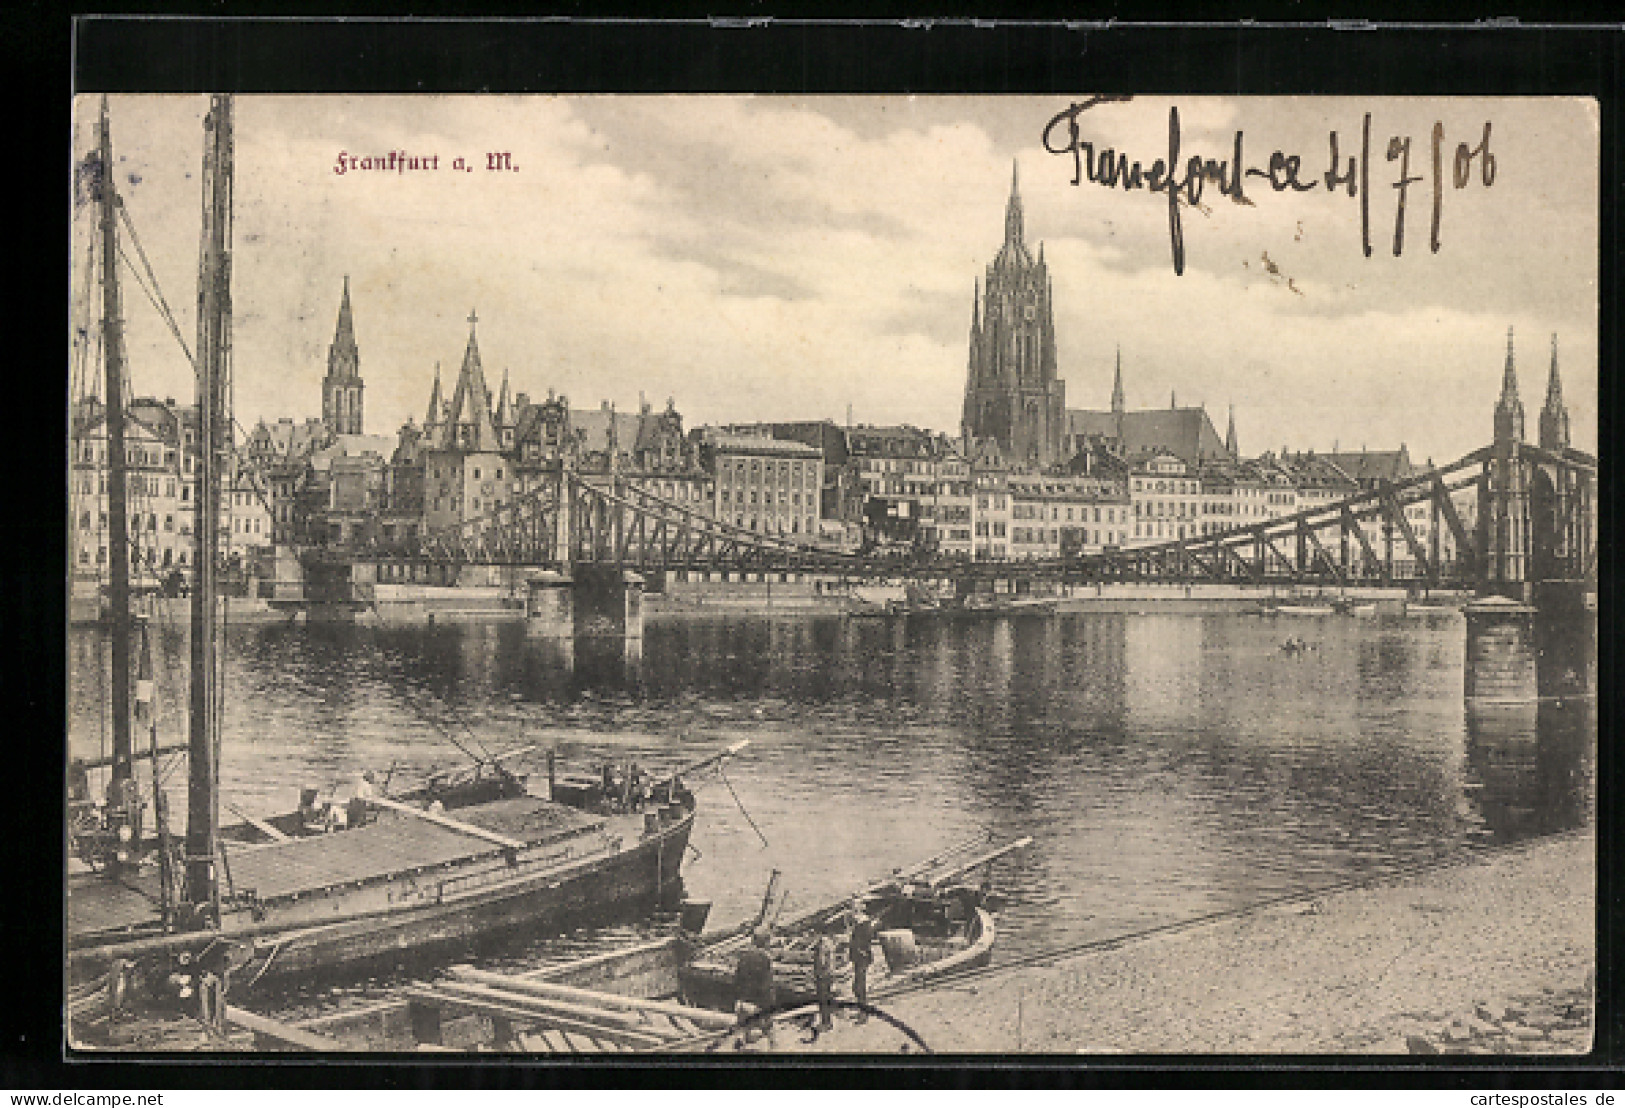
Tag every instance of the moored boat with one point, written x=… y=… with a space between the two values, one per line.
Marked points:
x=454 y=861
x=673 y=993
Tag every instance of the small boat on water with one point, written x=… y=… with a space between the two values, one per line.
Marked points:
x=674 y=993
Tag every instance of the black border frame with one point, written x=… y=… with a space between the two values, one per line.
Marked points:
x=754 y=52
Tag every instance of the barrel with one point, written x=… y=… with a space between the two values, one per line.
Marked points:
x=693 y=914
x=899 y=949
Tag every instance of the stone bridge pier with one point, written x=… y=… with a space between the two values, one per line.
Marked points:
x=596 y=610
x=1523 y=653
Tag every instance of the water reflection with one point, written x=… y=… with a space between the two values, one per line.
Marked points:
x=1165 y=765
x=1530 y=769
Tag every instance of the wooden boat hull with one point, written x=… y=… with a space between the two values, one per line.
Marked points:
x=598 y=890
x=612 y=1002
x=540 y=901
x=710 y=985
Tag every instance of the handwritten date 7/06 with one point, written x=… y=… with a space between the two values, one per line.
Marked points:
x=1112 y=169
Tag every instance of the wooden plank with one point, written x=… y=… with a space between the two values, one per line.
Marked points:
x=534 y=1043
x=541 y=1005
x=555 y=1041
x=684 y=1025
x=485 y=1007
x=282 y=1033
x=981 y=859
x=447 y=822
x=257 y=824
x=591 y=997
x=665 y=1025
x=584 y=1044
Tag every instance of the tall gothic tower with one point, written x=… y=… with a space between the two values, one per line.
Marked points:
x=341 y=388
x=1508 y=494
x=1012 y=395
x=1554 y=417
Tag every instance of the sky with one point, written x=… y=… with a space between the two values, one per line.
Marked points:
x=778 y=257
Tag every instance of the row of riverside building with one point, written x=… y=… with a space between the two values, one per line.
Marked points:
x=1025 y=478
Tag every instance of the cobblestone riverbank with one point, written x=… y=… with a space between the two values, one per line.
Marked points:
x=1495 y=955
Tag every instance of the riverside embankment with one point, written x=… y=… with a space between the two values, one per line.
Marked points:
x=1495 y=955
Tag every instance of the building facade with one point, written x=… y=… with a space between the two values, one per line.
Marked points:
x=765 y=484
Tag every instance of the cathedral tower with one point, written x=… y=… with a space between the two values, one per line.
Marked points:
x=341 y=388
x=1012 y=394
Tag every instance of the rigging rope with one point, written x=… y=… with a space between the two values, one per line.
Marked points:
x=405 y=685
x=741 y=803
x=161 y=304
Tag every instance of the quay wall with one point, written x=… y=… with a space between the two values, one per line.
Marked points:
x=791 y=594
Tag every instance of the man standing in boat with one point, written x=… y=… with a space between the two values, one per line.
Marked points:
x=823 y=969
x=860 y=950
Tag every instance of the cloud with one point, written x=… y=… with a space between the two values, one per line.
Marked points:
x=766 y=257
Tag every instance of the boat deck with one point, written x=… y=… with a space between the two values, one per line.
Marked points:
x=393 y=844
x=396 y=844
x=97 y=905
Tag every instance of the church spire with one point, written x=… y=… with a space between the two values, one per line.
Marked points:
x=1230 y=435
x=342 y=387
x=342 y=355
x=436 y=404
x=468 y=422
x=502 y=401
x=1117 y=385
x=1012 y=213
x=1509 y=409
x=1554 y=417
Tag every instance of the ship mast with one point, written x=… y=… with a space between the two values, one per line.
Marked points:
x=121 y=785
x=201 y=892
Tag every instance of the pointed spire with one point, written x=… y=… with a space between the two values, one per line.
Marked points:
x=1117 y=384
x=1554 y=384
x=1554 y=417
x=342 y=354
x=436 y=404
x=468 y=422
x=1173 y=400
x=502 y=401
x=1230 y=435
x=1509 y=379
x=343 y=359
x=1012 y=213
x=1509 y=409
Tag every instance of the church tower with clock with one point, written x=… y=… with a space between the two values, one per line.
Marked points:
x=1012 y=395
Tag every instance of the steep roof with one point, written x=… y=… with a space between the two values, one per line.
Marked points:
x=593 y=424
x=1186 y=433
x=900 y=441
x=1367 y=466
x=470 y=405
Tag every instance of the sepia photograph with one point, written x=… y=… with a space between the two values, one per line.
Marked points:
x=793 y=575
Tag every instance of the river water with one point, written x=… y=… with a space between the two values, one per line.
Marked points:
x=1165 y=765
